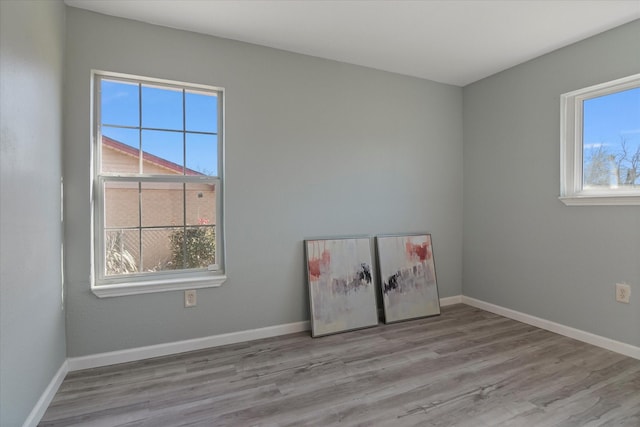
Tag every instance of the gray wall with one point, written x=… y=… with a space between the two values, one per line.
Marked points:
x=32 y=338
x=524 y=249
x=314 y=148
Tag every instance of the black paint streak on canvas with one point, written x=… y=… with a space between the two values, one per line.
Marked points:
x=361 y=278
x=405 y=279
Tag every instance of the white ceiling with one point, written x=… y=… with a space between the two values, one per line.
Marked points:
x=449 y=41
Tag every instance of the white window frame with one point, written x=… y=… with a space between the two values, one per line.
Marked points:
x=572 y=192
x=150 y=282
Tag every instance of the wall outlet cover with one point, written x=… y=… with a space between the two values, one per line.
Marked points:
x=623 y=292
x=190 y=298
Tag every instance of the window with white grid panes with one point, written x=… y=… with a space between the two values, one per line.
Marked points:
x=157 y=185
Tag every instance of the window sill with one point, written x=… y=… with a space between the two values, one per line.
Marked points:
x=601 y=200
x=161 y=285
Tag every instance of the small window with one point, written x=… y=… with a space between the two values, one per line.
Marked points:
x=600 y=144
x=158 y=182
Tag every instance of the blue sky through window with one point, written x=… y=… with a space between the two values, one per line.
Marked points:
x=162 y=110
x=611 y=118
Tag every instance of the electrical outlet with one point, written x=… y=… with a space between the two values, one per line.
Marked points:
x=190 y=298
x=623 y=292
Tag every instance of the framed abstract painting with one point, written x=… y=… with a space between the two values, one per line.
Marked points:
x=408 y=277
x=341 y=281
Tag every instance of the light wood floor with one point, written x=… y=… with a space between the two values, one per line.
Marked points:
x=466 y=367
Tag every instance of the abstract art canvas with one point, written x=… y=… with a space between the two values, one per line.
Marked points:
x=408 y=276
x=341 y=285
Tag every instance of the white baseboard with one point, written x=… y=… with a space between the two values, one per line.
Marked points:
x=140 y=353
x=42 y=404
x=567 y=331
x=456 y=299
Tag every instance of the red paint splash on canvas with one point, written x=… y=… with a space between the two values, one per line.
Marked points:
x=422 y=251
x=316 y=265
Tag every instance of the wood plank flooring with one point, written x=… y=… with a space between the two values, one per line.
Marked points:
x=466 y=367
